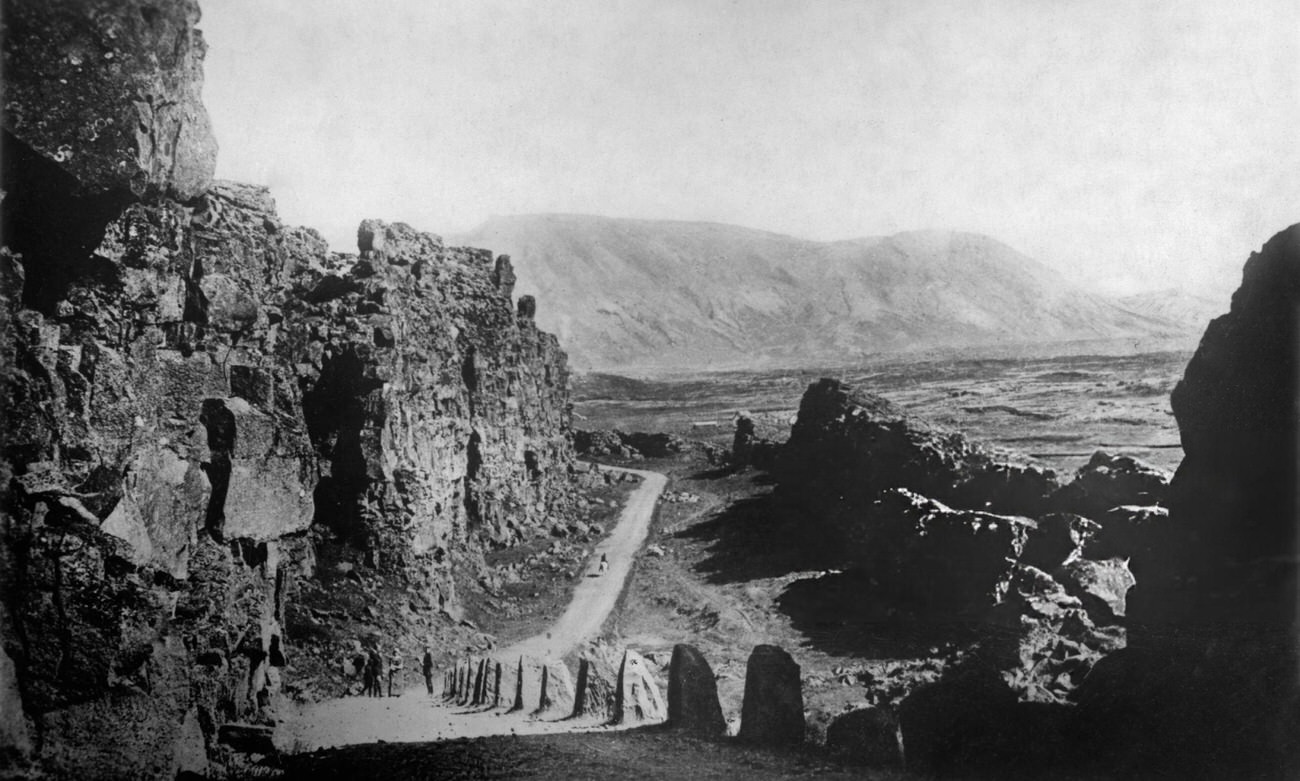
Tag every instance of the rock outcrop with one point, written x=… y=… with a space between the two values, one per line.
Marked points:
x=202 y=406
x=980 y=560
x=1109 y=481
x=109 y=91
x=596 y=690
x=1208 y=688
x=693 y=705
x=772 y=711
x=847 y=447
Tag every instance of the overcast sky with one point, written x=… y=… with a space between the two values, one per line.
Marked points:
x=1135 y=145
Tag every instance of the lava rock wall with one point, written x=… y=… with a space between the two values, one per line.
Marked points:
x=196 y=395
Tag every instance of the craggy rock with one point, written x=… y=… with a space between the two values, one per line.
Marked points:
x=1108 y=481
x=1102 y=586
x=933 y=560
x=847 y=447
x=1208 y=688
x=1043 y=640
x=203 y=404
x=1058 y=538
x=772 y=711
x=1235 y=493
x=621 y=444
x=869 y=737
x=1143 y=533
x=109 y=90
x=749 y=449
x=693 y=694
x=637 y=697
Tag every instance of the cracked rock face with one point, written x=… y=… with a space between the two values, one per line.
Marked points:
x=110 y=91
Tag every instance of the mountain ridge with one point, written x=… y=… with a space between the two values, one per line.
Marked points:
x=673 y=294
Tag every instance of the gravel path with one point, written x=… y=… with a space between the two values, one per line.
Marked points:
x=416 y=716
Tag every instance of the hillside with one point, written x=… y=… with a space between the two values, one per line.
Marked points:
x=649 y=294
x=1177 y=306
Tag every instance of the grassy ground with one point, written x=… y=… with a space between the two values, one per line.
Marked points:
x=636 y=754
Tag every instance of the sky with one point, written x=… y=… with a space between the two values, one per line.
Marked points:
x=1131 y=145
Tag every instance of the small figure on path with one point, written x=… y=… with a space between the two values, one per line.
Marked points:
x=427 y=666
x=394 y=667
x=374 y=670
x=604 y=564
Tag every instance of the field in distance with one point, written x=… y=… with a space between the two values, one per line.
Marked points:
x=1056 y=411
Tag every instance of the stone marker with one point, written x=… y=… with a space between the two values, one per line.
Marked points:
x=693 y=694
x=594 y=694
x=869 y=736
x=637 y=697
x=773 y=708
x=555 y=694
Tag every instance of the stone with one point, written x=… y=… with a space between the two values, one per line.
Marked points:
x=960 y=723
x=110 y=92
x=1057 y=538
x=596 y=689
x=1102 y=586
x=637 y=698
x=1109 y=481
x=847 y=448
x=933 y=560
x=693 y=694
x=772 y=710
x=868 y=736
x=555 y=693
x=1207 y=686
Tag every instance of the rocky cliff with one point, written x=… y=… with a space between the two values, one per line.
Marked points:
x=1209 y=687
x=201 y=404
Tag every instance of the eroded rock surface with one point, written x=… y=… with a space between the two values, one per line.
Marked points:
x=110 y=92
x=209 y=416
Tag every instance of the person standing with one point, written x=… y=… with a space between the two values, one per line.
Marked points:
x=394 y=668
x=427 y=668
x=374 y=669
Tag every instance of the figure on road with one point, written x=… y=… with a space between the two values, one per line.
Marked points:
x=374 y=672
x=604 y=564
x=394 y=668
x=427 y=666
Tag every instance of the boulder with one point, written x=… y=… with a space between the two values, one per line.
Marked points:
x=869 y=736
x=848 y=448
x=1042 y=640
x=772 y=711
x=693 y=694
x=1057 y=538
x=1108 y=481
x=109 y=91
x=960 y=723
x=937 y=561
x=1144 y=533
x=1102 y=586
x=637 y=697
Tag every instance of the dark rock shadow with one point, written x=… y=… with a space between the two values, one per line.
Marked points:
x=760 y=537
x=840 y=614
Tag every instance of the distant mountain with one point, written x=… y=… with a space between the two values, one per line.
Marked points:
x=1185 y=309
x=646 y=295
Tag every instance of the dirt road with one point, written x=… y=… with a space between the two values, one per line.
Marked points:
x=415 y=716
x=596 y=595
